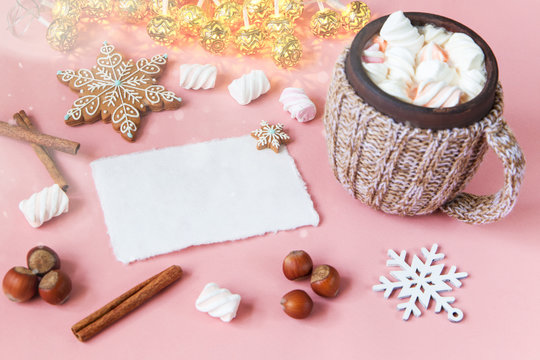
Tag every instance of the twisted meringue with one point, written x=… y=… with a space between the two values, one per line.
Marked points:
x=395 y=88
x=400 y=64
x=435 y=70
x=44 y=205
x=296 y=102
x=472 y=82
x=464 y=53
x=435 y=34
x=436 y=94
x=398 y=31
x=249 y=87
x=432 y=51
x=218 y=302
x=197 y=76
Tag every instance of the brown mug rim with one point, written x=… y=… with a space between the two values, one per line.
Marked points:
x=458 y=116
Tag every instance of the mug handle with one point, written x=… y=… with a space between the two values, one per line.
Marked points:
x=483 y=209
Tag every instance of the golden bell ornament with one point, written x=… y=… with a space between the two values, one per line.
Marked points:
x=132 y=11
x=249 y=39
x=162 y=29
x=355 y=16
x=229 y=13
x=292 y=9
x=278 y=25
x=156 y=6
x=258 y=10
x=191 y=19
x=97 y=9
x=215 y=36
x=325 y=23
x=286 y=51
x=62 y=34
x=68 y=9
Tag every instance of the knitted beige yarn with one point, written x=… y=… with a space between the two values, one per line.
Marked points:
x=404 y=170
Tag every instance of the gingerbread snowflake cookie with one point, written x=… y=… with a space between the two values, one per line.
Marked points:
x=118 y=91
x=270 y=136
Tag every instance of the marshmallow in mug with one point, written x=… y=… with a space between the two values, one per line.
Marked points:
x=426 y=66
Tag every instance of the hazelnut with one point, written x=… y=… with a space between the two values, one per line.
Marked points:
x=297 y=264
x=325 y=281
x=55 y=287
x=20 y=284
x=297 y=304
x=42 y=259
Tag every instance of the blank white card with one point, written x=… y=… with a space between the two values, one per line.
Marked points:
x=165 y=200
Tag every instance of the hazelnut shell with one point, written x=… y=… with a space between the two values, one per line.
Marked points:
x=325 y=281
x=20 y=284
x=42 y=259
x=55 y=287
x=297 y=264
x=297 y=304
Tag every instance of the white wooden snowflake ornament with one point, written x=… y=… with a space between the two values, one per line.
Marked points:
x=118 y=90
x=270 y=136
x=422 y=281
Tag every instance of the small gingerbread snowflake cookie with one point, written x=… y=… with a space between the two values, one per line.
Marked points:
x=118 y=91
x=270 y=136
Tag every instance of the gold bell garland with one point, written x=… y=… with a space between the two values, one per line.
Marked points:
x=249 y=39
x=277 y=24
x=132 y=11
x=230 y=13
x=163 y=28
x=325 y=23
x=250 y=24
x=191 y=18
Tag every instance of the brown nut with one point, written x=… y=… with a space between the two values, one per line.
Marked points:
x=297 y=264
x=20 y=284
x=297 y=304
x=325 y=281
x=55 y=287
x=42 y=259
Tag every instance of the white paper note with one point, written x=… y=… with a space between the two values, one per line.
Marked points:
x=165 y=200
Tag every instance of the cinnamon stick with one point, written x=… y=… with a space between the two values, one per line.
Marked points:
x=99 y=320
x=52 y=142
x=24 y=121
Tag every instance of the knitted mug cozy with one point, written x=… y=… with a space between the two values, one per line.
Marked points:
x=405 y=170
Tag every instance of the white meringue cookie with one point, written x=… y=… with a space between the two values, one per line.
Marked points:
x=376 y=72
x=397 y=30
x=464 y=53
x=218 y=302
x=436 y=95
x=298 y=104
x=431 y=51
x=472 y=82
x=397 y=89
x=249 y=87
x=435 y=70
x=197 y=76
x=44 y=205
x=400 y=64
x=373 y=54
x=435 y=34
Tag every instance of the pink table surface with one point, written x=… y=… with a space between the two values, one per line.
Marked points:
x=500 y=298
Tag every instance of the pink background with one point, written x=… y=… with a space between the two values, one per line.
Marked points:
x=500 y=298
